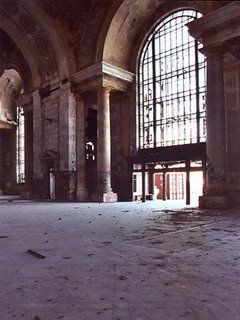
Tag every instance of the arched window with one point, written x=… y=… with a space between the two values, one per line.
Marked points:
x=171 y=85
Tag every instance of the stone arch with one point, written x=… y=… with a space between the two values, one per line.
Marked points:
x=12 y=58
x=92 y=29
x=25 y=24
x=133 y=20
x=11 y=87
x=53 y=49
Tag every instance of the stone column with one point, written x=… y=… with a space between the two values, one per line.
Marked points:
x=104 y=191
x=216 y=132
x=66 y=180
x=37 y=136
x=232 y=100
x=82 y=192
x=28 y=128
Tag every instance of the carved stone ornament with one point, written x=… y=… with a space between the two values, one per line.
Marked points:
x=42 y=45
x=21 y=16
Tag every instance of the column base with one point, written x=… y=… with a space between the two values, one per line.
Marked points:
x=213 y=202
x=105 y=197
x=234 y=200
x=82 y=195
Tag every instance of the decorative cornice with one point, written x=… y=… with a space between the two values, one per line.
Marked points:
x=233 y=46
x=207 y=26
x=117 y=72
x=102 y=69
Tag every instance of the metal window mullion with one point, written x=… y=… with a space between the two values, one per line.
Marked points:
x=190 y=92
x=163 y=142
x=154 y=91
x=171 y=85
x=197 y=90
x=139 y=105
x=142 y=106
x=177 y=77
x=183 y=92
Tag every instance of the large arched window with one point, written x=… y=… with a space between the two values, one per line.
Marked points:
x=171 y=85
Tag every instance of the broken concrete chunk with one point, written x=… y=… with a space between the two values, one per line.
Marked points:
x=36 y=254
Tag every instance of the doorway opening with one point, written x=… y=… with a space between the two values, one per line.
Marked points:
x=51 y=180
x=12 y=140
x=181 y=181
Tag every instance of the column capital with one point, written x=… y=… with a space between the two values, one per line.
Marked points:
x=233 y=46
x=103 y=74
x=216 y=50
x=74 y=87
x=104 y=89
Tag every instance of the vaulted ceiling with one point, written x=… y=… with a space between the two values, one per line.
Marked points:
x=55 y=38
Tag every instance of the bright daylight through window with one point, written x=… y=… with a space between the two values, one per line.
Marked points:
x=171 y=85
x=20 y=140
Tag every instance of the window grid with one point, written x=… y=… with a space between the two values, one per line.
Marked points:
x=171 y=86
x=20 y=148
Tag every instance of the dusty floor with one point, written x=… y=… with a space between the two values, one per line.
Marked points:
x=122 y=261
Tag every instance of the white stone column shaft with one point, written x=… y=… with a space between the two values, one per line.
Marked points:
x=104 y=142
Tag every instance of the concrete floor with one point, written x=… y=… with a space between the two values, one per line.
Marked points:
x=122 y=261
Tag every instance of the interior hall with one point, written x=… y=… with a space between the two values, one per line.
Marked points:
x=119 y=159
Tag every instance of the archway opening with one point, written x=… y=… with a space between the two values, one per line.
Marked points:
x=12 y=168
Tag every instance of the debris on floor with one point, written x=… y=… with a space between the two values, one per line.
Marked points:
x=36 y=254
